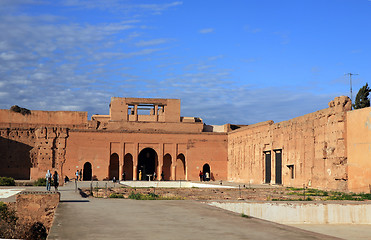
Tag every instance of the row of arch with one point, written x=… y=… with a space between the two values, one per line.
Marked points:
x=148 y=164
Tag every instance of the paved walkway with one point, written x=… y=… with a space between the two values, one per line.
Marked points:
x=93 y=218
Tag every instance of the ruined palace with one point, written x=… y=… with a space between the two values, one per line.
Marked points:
x=142 y=137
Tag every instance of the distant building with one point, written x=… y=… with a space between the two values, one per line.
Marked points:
x=327 y=149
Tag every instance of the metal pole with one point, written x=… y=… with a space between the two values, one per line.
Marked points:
x=351 y=90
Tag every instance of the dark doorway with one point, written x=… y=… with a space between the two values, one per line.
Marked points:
x=147 y=163
x=180 y=167
x=278 y=166
x=128 y=166
x=87 y=172
x=206 y=169
x=267 y=167
x=114 y=166
x=166 y=168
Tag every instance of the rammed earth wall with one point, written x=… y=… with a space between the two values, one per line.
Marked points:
x=312 y=148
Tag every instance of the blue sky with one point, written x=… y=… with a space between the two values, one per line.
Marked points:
x=238 y=62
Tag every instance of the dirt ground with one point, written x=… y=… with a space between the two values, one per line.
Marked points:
x=262 y=194
x=245 y=193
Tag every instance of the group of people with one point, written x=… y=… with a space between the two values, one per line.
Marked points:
x=140 y=176
x=55 y=177
x=49 y=177
x=204 y=176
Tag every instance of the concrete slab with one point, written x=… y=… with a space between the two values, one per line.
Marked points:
x=132 y=219
x=6 y=193
x=345 y=231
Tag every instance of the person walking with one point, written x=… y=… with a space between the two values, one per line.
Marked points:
x=56 y=180
x=140 y=175
x=124 y=176
x=201 y=175
x=77 y=175
x=80 y=174
x=207 y=176
x=48 y=178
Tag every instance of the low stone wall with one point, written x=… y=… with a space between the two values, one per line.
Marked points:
x=34 y=207
x=302 y=213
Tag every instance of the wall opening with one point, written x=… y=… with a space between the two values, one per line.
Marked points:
x=267 y=167
x=278 y=158
x=146 y=109
x=114 y=166
x=128 y=167
x=180 y=168
x=206 y=169
x=291 y=171
x=131 y=109
x=160 y=109
x=87 y=172
x=166 y=167
x=147 y=163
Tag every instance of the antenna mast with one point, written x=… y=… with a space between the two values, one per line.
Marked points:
x=350 y=79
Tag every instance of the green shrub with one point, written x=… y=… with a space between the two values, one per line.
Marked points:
x=140 y=196
x=245 y=216
x=365 y=196
x=40 y=182
x=8 y=221
x=116 y=195
x=7 y=181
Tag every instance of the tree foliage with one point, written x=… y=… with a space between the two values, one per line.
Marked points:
x=23 y=111
x=362 y=99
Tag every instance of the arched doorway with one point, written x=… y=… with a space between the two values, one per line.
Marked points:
x=128 y=166
x=206 y=169
x=166 y=168
x=147 y=162
x=114 y=166
x=87 y=172
x=180 y=167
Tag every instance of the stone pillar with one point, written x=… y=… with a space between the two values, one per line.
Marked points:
x=172 y=176
x=121 y=169
x=135 y=162
x=136 y=112
x=135 y=172
x=156 y=113
x=160 y=160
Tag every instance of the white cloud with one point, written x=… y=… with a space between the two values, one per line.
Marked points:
x=121 y=6
x=151 y=42
x=206 y=30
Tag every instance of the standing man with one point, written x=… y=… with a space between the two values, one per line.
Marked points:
x=48 y=177
x=201 y=175
x=56 y=180
x=77 y=175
